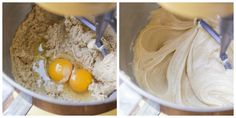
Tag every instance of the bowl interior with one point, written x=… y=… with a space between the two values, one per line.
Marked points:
x=133 y=17
x=13 y=15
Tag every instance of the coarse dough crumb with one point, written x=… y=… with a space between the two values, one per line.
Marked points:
x=108 y=65
x=178 y=61
x=62 y=37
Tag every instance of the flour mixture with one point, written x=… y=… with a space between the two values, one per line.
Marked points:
x=43 y=38
x=176 y=60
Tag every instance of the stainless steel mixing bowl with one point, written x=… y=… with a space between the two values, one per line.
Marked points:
x=132 y=19
x=13 y=15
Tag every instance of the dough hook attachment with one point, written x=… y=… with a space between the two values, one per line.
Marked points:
x=101 y=22
x=224 y=40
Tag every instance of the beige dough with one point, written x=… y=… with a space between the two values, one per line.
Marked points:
x=178 y=61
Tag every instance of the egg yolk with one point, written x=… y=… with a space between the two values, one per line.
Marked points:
x=60 y=70
x=80 y=80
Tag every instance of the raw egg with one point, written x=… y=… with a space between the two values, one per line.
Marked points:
x=60 y=70
x=80 y=80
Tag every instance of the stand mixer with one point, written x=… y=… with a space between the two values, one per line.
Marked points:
x=103 y=12
x=130 y=29
x=223 y=11
x=13 y=15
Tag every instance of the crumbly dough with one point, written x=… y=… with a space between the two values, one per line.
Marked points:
x=43 y=37
x=108 y=65
x=178 y=61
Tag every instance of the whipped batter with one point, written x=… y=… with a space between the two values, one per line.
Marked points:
x=176 y=60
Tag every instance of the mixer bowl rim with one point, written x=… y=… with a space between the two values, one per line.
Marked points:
x=126 y=79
